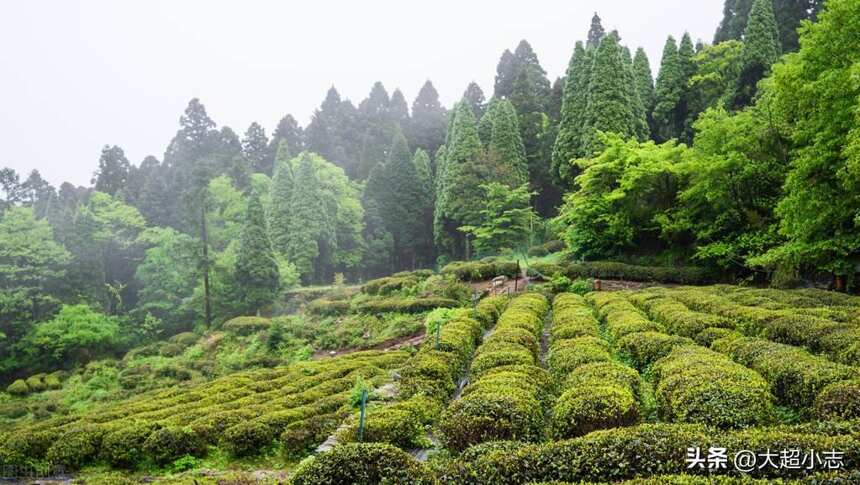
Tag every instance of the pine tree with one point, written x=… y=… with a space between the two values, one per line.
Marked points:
x=281 y=198
x=427 y=127
x=305 y=222
x=256 y=269
x=485 y=124
x=506 y=72
x=401 y=202
x=644 y=79
x=458 y=200
x=555 y=97
x=610 y=105
x=475 y=97
x=424 y=202
x=568 y=143
x=288 y=129
x=332 y=132
x=255 y=147
x=788 y=14
x=399 y=110
x=378 y=128
x=668 y=92
x=686 y=53
x=505 y=148
x=761 y=50
x=113 y=172
x=639 y=119
x=595 y=33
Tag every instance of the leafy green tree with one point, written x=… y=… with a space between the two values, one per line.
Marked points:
x=429 y=120
x=279 y=210
x=506 y=218
x=32 y=269
x=255 y=149
x=76 y=335
x=668 y=92
x=816 y=92
x=112 y=174
x=10 y=184
x=568 y=143
x=717 y=69
x=167 y=276
x=595 y=33
x=105 y=247
x=623 y=195
x=761 y=50
x=733 y=180
x=256 y=269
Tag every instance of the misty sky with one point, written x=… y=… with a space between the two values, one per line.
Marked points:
x=80 y=74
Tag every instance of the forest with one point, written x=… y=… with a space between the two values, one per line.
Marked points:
x=229 y=264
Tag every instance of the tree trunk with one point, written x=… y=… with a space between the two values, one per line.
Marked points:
x=204 y=236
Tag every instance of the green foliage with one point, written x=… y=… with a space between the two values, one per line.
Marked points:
x=761 y=50
x=606 y=216
x=568 y=143
x=506 y=219
x=247 y=438
x=76 y=334
x=363 y=464
x=480 y=270
x=256 y=269
x=668 y=92
x=18 y=388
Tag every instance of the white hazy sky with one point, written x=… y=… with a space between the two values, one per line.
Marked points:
x=78 y=74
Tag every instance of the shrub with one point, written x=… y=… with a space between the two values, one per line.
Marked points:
x=622 y=271
x=302 y=436
x=165 y=445
x=698 y=385
x=18 y=388
x=795 y=376
x=75 y=447
x=185 y=339
x=603 y=372
x=480 y=270
x=840 y=400
x=487 y=416
x=707 y=336
x=363 y=464
x=171 y=350
x=53 y=380
x=247 y=438
x=406 y=305
x=581 y=410
x=36 y=383
x=645 y=348
x=325 y=307
x=488 y=360
x=489 y=309
x=567 y=355
x=124 y=446
x=247 y=325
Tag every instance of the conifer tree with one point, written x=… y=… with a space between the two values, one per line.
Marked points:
x=761 y=50
x=505 y=149
x=638 y=120
x=113 y=172
x=429 y=120
x=506 y=72
x=644 y=79
x=568 y=143
x=485 y=124
x=398 y=111
x=378 y=127
x=256 y=269
x=686 y=52
x=668 y=92
x=425 y=202
x=475 y=97
x=610 y=105
x=595 y=33
x=332 y=132
x=402 y=201
x=288 y=129
x=255 y=147
x=306 y=219
x=788 y=15
x=281 y=198
x=554 y=106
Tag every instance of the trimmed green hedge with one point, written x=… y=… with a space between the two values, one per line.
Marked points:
x=697 y=385
x=363 y=464
x=405 y=305
x=631 y=272
x=507 y=394
x=324 y=307
x=642 y=349
x=480 y=270
x=795 y=376
x=247 y=325
x=626 y=453
x=620 y=316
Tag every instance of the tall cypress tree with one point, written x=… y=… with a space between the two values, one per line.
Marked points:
x=332 y=133
x=595 y=33
x=256 y=269
x=638 y=120
x=288 y=129
x=429 y=120
x=506 y=72
x=644 y=79
x=401 y=202
x=281 y=198
x=255 y=149
x=425 y=201
x=378 y=127
x=788 y=15
x=668 y=92
x=485 y=124
x=113 y=172
x=305 y=222
x=568 y=143
x=505 y=149
x=474 y=95
x=761 y=50
x=610 y=105
x=399 y=110
x=458 y=201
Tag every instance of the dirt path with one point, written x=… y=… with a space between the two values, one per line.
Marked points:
x=392 y=344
